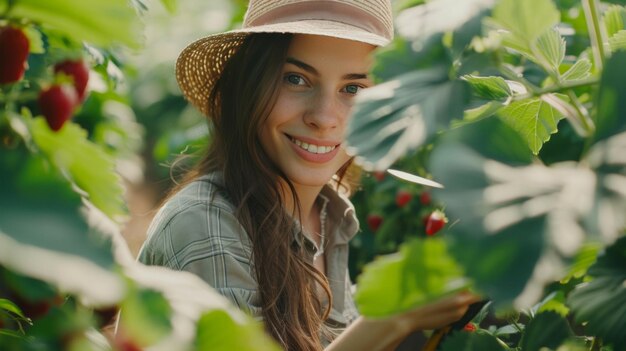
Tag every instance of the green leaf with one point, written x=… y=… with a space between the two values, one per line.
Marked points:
x=420 y=272
x=145 y=316
x=39 y=207
x=394 y=117
x=601 y=303
x=534 y=119
x=611 y=100
x=84 y=163
x=480 y=112
x=9 y=306
x=554 y=302
x=490 y=88
x=526 y=19
x=618 y=41
x=549 y=49
x=170 y=5
x=102 y=22
x=477 y=341
x=500 y=201
x=437 y=16
x=582 y=261
x=218 y=331
x=614 y=19
x=580 y=70
x=547 y=329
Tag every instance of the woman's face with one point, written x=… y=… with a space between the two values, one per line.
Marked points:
x=305 y=131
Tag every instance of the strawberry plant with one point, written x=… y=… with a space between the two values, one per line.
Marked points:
x=521 y=107
x=67 y=143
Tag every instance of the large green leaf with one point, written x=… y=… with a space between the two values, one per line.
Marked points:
x=547 y=329
x=478 y=341
x=218 y=331
x=420 y=272
x=102 y=22
x=84 y=163
x=534 y=119
x=601 y=303
x=526 y=19
x=502 y=201
x=611 y=101
x=394 y=117
x=39 y=207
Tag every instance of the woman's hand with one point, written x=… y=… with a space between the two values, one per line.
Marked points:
x=386 y=333
x=436 y=314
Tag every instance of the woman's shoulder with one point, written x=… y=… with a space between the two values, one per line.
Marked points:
x=198 y=211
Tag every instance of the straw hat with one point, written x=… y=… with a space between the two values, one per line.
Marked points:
x=201 y=63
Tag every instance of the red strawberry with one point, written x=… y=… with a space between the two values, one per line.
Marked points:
x=425 y=198
x=435 y=221
x=374 y=221
x=14 y=48
x=470 y=327
x=57 y=104
x=79 y=72
x=379 y=175
x=403 y=197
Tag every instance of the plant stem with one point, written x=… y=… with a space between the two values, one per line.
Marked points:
x=597 y=32
x=596 y=345
x=558 y=88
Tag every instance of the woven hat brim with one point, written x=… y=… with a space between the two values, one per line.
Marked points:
x=201 y=63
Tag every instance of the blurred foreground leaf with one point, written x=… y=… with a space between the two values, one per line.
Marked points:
x=477 y=341
x=547 y=329
x=420 y=272
x=219 y=332
x=601 y=303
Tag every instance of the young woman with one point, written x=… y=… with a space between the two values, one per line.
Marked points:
x=264 y=217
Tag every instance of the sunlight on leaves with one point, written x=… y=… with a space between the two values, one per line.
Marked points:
x=420 y=272
x=614 y=19
x=549 y=48
x=526 y=19
x=534 y=119
x=231 y=336
x=102 y=22
x=618 y=41
x=580 y=70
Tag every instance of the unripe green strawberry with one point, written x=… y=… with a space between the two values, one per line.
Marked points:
x=78 y=71
x=14 y=48
x=435 y=221
x=57 y=104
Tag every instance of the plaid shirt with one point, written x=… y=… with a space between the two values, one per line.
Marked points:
x=197 y=231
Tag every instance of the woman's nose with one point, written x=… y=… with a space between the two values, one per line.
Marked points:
x=326 y=112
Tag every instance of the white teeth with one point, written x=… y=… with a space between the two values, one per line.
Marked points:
x=314 y=149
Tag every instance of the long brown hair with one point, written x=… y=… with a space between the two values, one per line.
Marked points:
x=240 y=102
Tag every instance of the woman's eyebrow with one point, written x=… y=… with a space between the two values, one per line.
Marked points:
x=312 y=70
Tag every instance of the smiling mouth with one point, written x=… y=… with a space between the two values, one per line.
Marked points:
x=312 y=148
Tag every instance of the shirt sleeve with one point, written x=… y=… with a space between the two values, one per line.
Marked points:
x=208 y=241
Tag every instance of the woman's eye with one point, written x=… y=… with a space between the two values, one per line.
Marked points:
x=352 y=89
x=294 y=79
